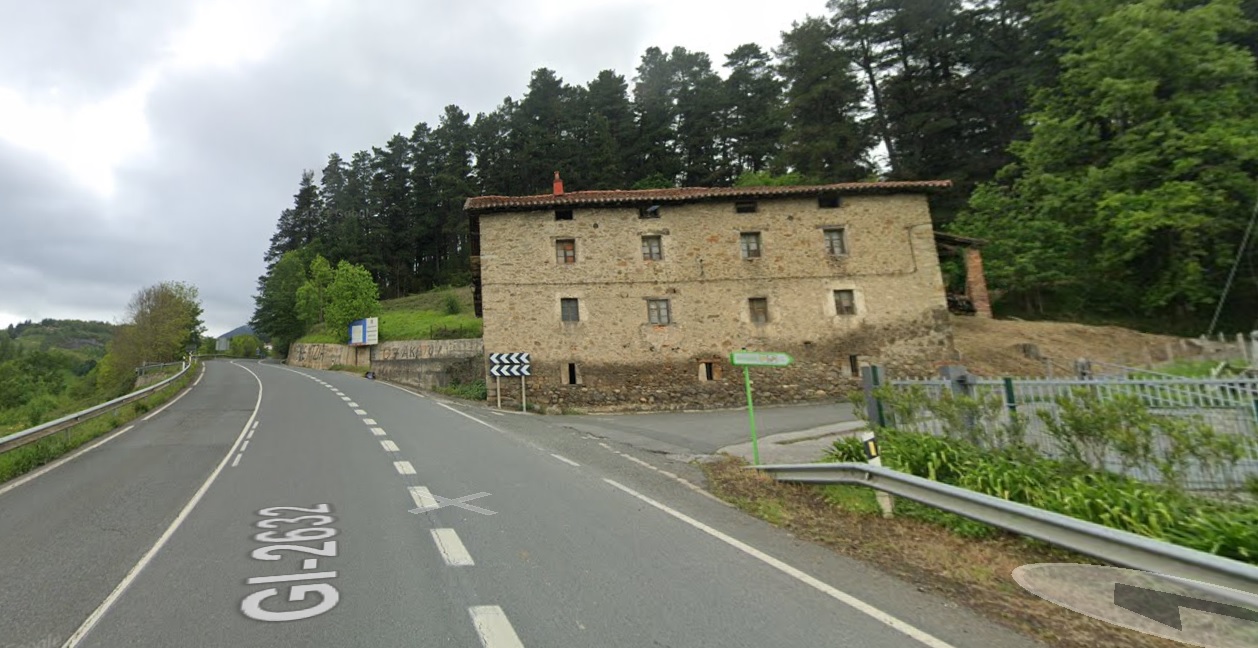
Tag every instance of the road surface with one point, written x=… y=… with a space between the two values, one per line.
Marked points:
x=276 y=507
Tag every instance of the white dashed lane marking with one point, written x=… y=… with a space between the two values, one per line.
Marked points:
x=360 y=412
x=422 y=497
x=451 y=548
x=389 y=446
x=404 y=467
x=368 y=421
x=493 y=627
x=377 y=431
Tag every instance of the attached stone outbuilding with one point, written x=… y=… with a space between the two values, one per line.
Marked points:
x=635 y=299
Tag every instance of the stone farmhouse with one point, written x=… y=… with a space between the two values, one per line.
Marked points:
x=635 y=299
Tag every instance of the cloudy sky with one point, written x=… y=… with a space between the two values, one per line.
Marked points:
x=152 y=140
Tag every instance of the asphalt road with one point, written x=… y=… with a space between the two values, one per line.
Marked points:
x=171 y=535
x=701 y=433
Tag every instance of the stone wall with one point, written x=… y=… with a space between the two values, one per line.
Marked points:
x=323 y=356
x=622 y=361
x=417 y=363
x=429 y=363
x=820 y=372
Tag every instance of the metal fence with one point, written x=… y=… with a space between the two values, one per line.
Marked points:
x=1033 y=411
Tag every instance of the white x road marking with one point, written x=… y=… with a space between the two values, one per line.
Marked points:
x=460 y=502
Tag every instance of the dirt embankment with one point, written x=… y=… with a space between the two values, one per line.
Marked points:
x=990 y=347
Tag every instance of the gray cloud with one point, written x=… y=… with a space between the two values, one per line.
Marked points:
x=228 y=145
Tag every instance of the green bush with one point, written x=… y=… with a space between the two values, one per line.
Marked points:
x=452 y=304
x=475 y=390
x=1065 y=487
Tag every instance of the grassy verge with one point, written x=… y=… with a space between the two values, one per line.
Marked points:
x=974 y=572
x=408 y=325
x=29 y=457
x=358 y=369
x=474 y=390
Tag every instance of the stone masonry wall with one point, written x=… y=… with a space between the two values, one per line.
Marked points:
x=624 y=362
x=418 y=363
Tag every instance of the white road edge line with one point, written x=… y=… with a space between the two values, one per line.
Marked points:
x=491 y=426
x=675 y=477
x=451 y=548
x=85 y=449
x=565 y=460
x=389 y=445
x=493 y=627
x=236 y=461
x=113 y=597
x=66 y=459
x=803 y=577
x=422 y=497
x=404 y=467
x=172 y=402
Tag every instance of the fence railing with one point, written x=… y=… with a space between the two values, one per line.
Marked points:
x=31 y=435
x=1032 y=406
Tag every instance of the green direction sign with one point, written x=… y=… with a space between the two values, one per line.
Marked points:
x=759 y=359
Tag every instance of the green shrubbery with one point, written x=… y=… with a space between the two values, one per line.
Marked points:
x=474 y=390
x=996 y=460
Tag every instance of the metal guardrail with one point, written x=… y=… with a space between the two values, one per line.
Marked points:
x=1110 y=545
x=30 y=435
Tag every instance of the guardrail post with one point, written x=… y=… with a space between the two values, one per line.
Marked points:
x=873 y=457
x=1010 y=401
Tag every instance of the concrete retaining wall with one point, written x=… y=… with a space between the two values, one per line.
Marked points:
x=416 y=363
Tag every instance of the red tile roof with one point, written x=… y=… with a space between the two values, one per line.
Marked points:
x=483 y=204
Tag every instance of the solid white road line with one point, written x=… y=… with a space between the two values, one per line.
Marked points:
x=113 y=597
x=64 y=460
x=565 y=460
x=389 y=445
x=491 y=426
x=404 y=467
x=493 y=627
x=360 y=412
x=236 y=461
x=422 y=498
x=842 y=597
x=368 y=421
x=163 y=407
x=451 y=548
x=377 y=431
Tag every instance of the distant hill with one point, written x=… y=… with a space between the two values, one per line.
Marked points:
x=239 y=330
x=82 y=337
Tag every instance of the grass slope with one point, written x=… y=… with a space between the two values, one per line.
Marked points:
x=424 y=316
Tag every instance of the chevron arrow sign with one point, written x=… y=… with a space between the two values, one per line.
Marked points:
x=504 y=371
x=509 y=358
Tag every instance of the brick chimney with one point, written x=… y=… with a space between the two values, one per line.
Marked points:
x=558 y=184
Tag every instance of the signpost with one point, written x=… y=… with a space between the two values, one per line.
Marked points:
x=746 y=359
x=510 y=364
x=364 y=332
